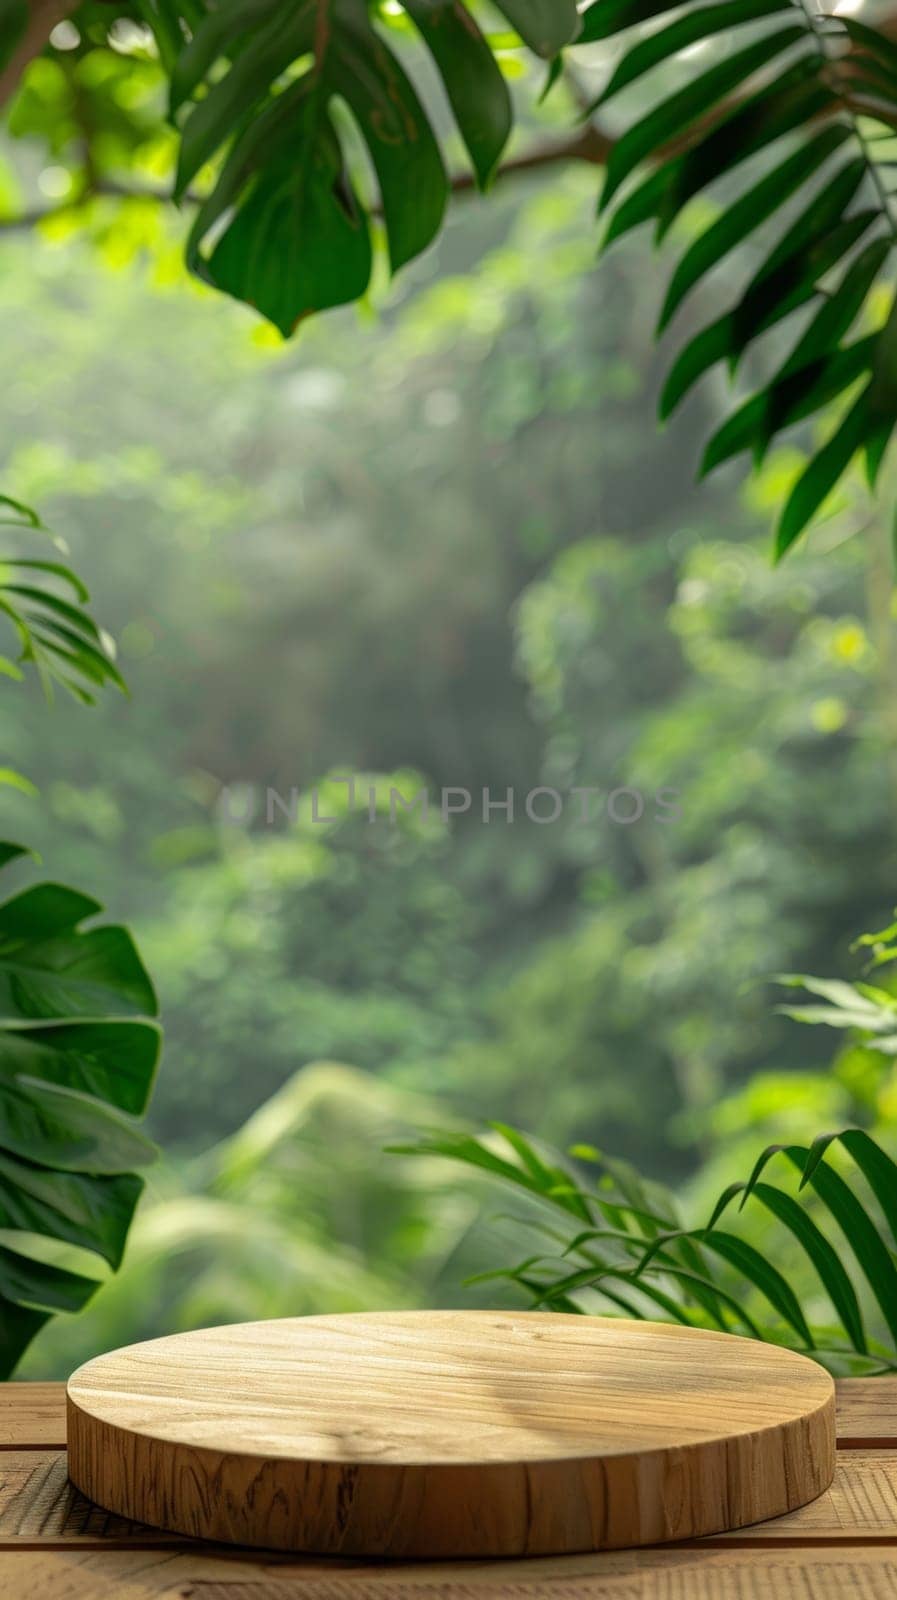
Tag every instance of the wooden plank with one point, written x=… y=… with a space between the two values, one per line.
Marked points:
x=710 y=1572
x=696 y=1577
x=175 y=1573
x=861 y=1503
x=866 y=1413
x=32 y=1416
x=38 y=1504
x=114 y=1574
x=445 y=1434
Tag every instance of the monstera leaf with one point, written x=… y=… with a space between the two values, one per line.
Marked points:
x=285 y=226
x=78 y=1048
x=797 y=117
x=78 y=1054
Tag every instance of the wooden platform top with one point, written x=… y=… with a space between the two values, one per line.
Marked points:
x=56 y=1546
x=445 y=1387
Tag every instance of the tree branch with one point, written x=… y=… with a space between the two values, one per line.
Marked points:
x=588 y=144
x=43 y=16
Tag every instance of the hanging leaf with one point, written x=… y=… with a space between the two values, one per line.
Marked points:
x=747 y=213
x=473 y=81
x=286 y=225
x=691 y=140
x=693 y=27
x=545 y=25
x=687 y=105
x=822 y=474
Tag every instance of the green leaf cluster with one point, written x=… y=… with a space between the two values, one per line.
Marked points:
x=616 y=1242
x=78 y=1046
x=286 y=225
x=303 y=133
x=78 y=1054
x=797 y=121
x=44 y=601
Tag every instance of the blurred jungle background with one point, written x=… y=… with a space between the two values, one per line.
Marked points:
x=436 y=542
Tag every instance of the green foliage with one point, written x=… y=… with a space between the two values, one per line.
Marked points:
x=337 y=942
x=751 y=696
x=291 y=226
x=77 y=1060
x=836 y=93
x=310 y=138
x=492 y=591
x=297 y=1212
x=78 y=1052
x=616 y=1242
x=871 y=1011
x=44 y=603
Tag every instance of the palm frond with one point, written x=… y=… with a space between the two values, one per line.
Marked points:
x=862 y=1008
x=827 y=86
x=44 y=603
x=636 y=1256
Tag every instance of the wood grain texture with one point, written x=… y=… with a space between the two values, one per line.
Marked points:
x=861 y=1503
x=866 y=1413
x=115 y=1574
x=447 y=1434
x=703 y=1575
x=39 y=1505
x=713 y=1572
x=32 y=1416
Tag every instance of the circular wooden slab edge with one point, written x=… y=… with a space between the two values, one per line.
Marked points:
x=443 y=1509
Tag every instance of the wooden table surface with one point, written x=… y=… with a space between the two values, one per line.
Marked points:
x=54 y=1545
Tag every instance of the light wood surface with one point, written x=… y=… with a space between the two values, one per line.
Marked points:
x=55 y=1546
x=702 y=1575
x=32 y=1416
x=450 y=1434
x=866 y=1410
x=711 y=1572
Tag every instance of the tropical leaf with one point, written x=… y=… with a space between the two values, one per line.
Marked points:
x=78 y=1054
x=286 y=225
x=870 y=1011
x=637 y=1257
x=305 y=139
x=838 y=79
x=44 y=604
x=78 y=1043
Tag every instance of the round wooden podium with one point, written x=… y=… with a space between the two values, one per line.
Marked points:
x=437 y=1434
